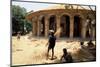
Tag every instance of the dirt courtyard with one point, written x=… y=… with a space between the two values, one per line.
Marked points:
x=33 y=51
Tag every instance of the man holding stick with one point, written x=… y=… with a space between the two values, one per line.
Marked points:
x=52 y=41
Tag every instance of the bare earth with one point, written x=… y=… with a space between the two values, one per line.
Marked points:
x=33 y=51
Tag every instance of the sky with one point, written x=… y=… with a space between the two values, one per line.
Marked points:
x=35 y=6
x=90 y=2
x=32 y=6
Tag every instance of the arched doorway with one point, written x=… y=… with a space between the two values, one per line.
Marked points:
x=77 y=26
x=42 y=26
x=65 y=25
x=52 y=23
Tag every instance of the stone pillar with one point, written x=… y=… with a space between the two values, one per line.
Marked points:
x=94 y=32
x=38 y=27
x=34 y=31
x=58 y=21
x=71 y=26
x=34 y=28
x=84 y=26
x=46 y=26
x=93 y=22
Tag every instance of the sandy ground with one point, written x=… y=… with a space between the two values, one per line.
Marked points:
x=33 y=51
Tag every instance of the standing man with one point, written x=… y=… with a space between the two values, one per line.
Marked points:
x=51 y=43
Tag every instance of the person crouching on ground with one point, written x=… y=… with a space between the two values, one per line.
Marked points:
x=51 y=43
x=66 y=57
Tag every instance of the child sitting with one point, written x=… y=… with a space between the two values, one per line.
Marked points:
x=66 y=58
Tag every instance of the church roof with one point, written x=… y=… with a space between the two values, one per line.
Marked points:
x=68 y=6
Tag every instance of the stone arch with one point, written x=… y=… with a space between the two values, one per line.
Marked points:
x=65 y=25
x=52 y=22
x=65 y=14
x=77 y=25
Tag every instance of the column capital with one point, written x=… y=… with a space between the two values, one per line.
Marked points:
x=34 y=19
x=47 y=17
x=72 y=17
x=58 y=16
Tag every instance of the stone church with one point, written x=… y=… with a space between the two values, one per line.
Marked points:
x=75 y=22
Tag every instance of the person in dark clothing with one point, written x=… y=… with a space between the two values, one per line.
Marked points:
x=92 y=48
x=90 y=44
x=51 y=44
x=66 y=57
x=81 y=43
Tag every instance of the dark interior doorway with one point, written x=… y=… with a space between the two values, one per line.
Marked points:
x=65 y=24
x=52 y=23
x=77 y=26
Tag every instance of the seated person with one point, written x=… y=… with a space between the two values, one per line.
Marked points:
x=90 y=44
x=66 y=58
x=81 y=43
x=92 y=48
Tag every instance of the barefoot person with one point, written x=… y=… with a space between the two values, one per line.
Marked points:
x=51 y=43
x=66 y=57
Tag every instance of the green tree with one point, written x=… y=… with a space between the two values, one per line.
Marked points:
x=19 y=23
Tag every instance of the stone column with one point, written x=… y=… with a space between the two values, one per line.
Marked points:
x=93 y=29
x=94 y=32
x=46 y=26
x=84 y=26
x=34 y=27
x=58 y=20
x=38 y=27
x=71 y=26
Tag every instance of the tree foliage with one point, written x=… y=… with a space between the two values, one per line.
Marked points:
x=19 y=23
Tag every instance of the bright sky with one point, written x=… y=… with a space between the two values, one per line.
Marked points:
x=36 y=6
x=88 y=2
x=32 y=6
